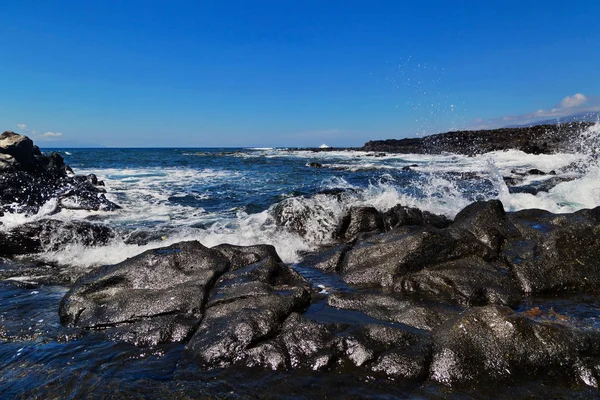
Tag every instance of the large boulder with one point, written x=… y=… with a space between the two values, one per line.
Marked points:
x=488 y=222
x=360 y=219
x=154 y=297
x=381 y=259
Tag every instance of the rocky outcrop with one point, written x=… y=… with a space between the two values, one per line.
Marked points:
x=438 y=300
x=30 y=179
x=540 y=139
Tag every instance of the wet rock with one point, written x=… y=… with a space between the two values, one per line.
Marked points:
x=34 y=274
x=388 y=307
x=30 y=179
x=381 y=259
x=468 y=281
x=493 y=344
x=488 y=222
x=245 y=307
x=315 y=217
x=315 y=165
x=154 y=297
x=400 y=354
x=400 y=215
x=360 y=219
x=367 y=350
x=327 y=260
x=540 y=186
x=556 y=252
x=52 y=235
x=240 y=256
x=535 y=171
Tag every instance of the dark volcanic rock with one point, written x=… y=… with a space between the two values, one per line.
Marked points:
x=468 y=281
x=370 y=349
x=381 y=259
x=360 y=219
x=154 y=297
x=556 y=252
x=312 y=216
x=492 y=343
x=245 y=307
x=488 y=222
x=29 y=179
x=387 y=307
x=541 y=139
x=400 y=215
x=52 y=235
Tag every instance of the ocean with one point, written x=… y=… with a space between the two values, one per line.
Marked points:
x=226 y=195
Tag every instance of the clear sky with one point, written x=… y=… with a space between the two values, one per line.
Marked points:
x=208 y=73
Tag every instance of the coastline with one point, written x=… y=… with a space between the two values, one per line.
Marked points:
x=417 y=300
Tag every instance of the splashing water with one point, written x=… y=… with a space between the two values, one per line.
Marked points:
x=229 y=195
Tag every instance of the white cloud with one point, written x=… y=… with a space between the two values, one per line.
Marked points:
x=573 y=101
x=570 y=105
x=22 y=127
x=52 y=134
x=34 y=132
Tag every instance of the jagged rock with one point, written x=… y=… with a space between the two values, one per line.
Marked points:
x=315 y=216
x=556 y=252
x=30 y=179
x=247 y=306
x=493 y=344
x=370 y=349
x=34 y=274
x=240 y=256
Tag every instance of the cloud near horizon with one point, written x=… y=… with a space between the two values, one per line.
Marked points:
x=22 y=127
x=51 y=134
x=569 y=105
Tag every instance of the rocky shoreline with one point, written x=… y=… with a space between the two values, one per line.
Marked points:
x=424 y=298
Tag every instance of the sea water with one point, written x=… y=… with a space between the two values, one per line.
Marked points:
x=228 y=196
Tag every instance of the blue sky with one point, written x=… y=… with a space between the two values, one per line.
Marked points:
x=289 y=73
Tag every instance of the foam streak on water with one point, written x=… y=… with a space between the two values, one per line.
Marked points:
x=228 y=195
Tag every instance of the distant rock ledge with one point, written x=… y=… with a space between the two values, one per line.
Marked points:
x=540 y=139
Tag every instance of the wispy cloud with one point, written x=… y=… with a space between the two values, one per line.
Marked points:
x=22 y=127
x=51 y=134
x=570 y=105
